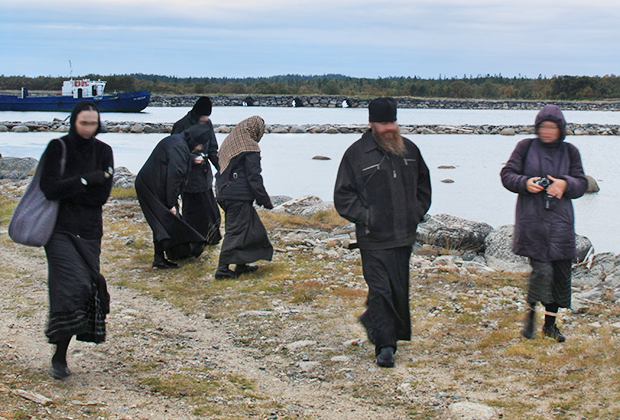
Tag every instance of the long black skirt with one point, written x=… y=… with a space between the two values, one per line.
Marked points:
x=200 y=211
x=387 y=319
x=78 y=296
x=245 y=239
x=550 y=282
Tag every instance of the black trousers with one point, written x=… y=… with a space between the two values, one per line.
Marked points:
x=550 y=282
x=386 y=272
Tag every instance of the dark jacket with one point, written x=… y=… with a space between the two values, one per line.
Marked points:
x=80 y=205
x=242 y=181
x=200 y=177
x=546 y=235
x=384 y=195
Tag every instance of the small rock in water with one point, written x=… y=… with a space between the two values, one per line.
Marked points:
x=447 y=181
x=446 y=167
x=321 y=158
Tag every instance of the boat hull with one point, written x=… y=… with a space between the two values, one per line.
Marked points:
x=123 y=102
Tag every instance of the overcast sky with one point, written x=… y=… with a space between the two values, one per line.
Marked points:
x=360 y=38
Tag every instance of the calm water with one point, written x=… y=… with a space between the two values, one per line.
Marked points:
x=476 y=194
x=232 y=115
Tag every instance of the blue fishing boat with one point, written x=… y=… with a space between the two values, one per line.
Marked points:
x=74 y=91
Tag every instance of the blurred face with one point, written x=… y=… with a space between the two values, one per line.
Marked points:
x=203 y=119
x=86 y=123
x=381 y=128
x=387 y=136
x=548 y=131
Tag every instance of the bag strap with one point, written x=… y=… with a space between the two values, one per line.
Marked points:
x=63 y=159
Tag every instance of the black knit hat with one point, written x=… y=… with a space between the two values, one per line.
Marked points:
x=202 y=106
x=382 y=110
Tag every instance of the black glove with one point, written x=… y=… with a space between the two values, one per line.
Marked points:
x=95 y=178
x=268 y=205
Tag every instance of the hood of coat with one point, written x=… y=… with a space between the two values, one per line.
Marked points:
x=552 y=113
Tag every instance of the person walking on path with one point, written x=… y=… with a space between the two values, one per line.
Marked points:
x=200 y=209
x=383 y=186
x=158 y=187
x=547 y=174
x=239 y=183
x=78 y=295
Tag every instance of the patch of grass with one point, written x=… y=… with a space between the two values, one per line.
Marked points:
x=123 y=193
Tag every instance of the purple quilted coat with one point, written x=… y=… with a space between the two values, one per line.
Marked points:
x=546 y=235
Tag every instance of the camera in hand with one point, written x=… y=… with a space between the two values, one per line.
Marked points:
x=543 y=182
x=550 y=201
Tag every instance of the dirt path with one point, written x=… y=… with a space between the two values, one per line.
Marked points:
x=148 y=329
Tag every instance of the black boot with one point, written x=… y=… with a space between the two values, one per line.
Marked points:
x=223 y=273
x=385 y=358
x=245 y=268
x=529 y=322
x=59 y=360
x=159 y=261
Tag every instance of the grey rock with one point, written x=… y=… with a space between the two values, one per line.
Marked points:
x=507 y=132
x=276 y=200
x=321 y=158
x=3 y=128
x=498 y=251
x=123 y=178
x=304 y=206
x=297 y=129
x=471 y=411
x=17 y=168
x=453 y=232
x=20 y=129
x=592 y=185
x=605 y=269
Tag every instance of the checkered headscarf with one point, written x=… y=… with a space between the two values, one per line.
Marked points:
x=243 y=138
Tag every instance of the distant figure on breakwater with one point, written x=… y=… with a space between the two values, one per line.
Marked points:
x=200 y=209
x=384 y=187
x=547 y=174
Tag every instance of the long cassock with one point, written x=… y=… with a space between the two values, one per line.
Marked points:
x=386 y=196
x=158 y=186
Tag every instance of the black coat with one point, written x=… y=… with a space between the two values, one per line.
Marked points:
x=200 y=177
x=158 y=186
x=384 y=195
x=80 y=205
x=242 y=180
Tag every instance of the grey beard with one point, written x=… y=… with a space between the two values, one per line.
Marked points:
x=392 y=143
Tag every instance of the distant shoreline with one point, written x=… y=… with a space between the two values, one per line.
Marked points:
x=319 y=101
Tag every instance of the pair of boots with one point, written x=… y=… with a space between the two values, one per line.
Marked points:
x=224 y=272
x=550 y=329
x=159 y=260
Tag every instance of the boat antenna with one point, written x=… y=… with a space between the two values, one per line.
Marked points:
x=71 y=69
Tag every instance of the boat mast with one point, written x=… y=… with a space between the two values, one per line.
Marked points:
x=70 y=70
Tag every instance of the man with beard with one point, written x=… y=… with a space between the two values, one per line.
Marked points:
x=383 y=186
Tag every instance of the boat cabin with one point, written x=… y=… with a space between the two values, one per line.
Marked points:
x=84 y=88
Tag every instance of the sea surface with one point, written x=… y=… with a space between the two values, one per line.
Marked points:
x=475 y=194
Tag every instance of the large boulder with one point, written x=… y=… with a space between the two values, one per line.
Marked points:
x=499 y=255
x=453 y=232
x=123 y=178
x=304 y=206
x=17 y=168
x=498 y=251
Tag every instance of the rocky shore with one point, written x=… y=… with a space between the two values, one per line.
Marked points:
x=165 y=128
x=283 y=342
x=403 y=102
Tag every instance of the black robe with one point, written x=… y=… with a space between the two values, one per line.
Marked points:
x=158 y=186
x=200 y=209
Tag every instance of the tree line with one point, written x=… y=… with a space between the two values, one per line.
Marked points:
x=480 y=87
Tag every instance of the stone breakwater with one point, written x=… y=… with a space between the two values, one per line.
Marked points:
x=403 y=102
x=166 y=128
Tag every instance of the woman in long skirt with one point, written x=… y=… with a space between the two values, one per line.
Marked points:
x=239 y=183
x=79 y=300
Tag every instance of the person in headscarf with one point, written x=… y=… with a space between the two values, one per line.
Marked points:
x=78 y=296
x=158 y=187
x=239 y=183
x=200 y=209
x=547 y=174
